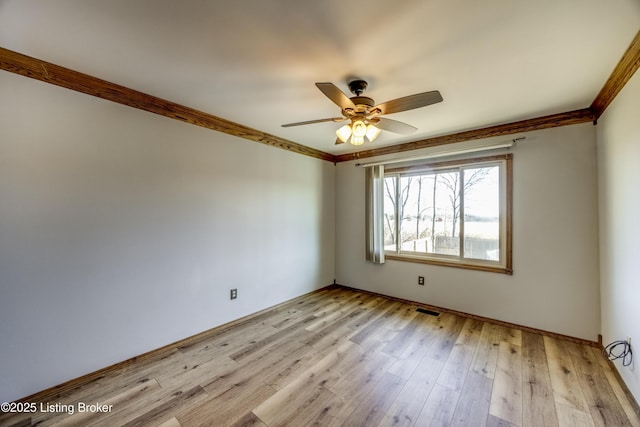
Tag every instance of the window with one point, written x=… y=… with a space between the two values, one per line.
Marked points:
x=450 y=213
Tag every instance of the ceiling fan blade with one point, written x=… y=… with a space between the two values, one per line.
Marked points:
x=310 y=122
x=332 y=92
x=395 y=126
x=410 y=102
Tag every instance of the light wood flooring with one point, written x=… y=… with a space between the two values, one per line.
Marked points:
x=339 y=357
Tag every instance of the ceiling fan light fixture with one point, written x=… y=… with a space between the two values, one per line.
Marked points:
x=359 y=129
x=357 y=140
x=372 y=132
x=363 y=113
x=356 y=132
x=344 y=133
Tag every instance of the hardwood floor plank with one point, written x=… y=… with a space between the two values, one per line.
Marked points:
x=493 y=421
x=186 y=372
x=114 y=383
x=350 y=315
x=378 y=340
x=358 y=375
x=330 y=373
x=372 y=311
x=156 y=405
x=163 y=411
x=378 y=400
x=405 y=314
x=230 y=341
x=439 y=408
x=285 y=402
x=583 y=358
x=172 y=422
x=285 y=318
x=564 y=380
x=403 y=338
x=514 y=336
x=249 y=420
x=380 y=317
x=120 y=403
x=228 y=407
x=456 y=368
x=271 y=359
x=295 y=365
x=355 y=382
x=327 y=319
x=17 y=419
x=406 y=408
x=569 y=416
x=302 y=408
x=417 y=349
x=142 y=406
x=538 y=406
x=445 y=336
x=291 y=332
x=633 y=417
x=486 y=357
x=604 y=406
x=314 y=411
x=474 y=401
x=341 y=305
x=506 y=397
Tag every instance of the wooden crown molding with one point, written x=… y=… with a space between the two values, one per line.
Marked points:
x=60 y=76
x=70 y=79
x=626 y=67
x=621 y=74
x=554 y=120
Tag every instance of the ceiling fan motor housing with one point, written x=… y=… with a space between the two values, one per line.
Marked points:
x=363 y=103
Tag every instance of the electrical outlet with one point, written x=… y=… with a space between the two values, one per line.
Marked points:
x=421 y=280
x=234 y=293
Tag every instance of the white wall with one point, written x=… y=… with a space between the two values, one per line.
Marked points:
x=122 y=231
x=618 y=133
x=555 y=283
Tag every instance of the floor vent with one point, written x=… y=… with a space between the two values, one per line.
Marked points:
x=429 y=312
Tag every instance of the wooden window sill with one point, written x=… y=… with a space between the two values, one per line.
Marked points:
x=445 y=263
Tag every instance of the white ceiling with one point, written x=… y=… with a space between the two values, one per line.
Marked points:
x=255 y=62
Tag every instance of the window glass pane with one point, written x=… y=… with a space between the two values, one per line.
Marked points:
x=429 y=209
x=446 y=230
x=406 y=212
x=482 y=213
x=389 y=214
x=414 y=228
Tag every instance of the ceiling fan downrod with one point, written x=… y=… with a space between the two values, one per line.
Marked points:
x=358 y=87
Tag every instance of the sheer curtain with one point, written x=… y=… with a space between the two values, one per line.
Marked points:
x=374 y=176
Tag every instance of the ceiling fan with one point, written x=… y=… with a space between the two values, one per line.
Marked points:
x=364 y=114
